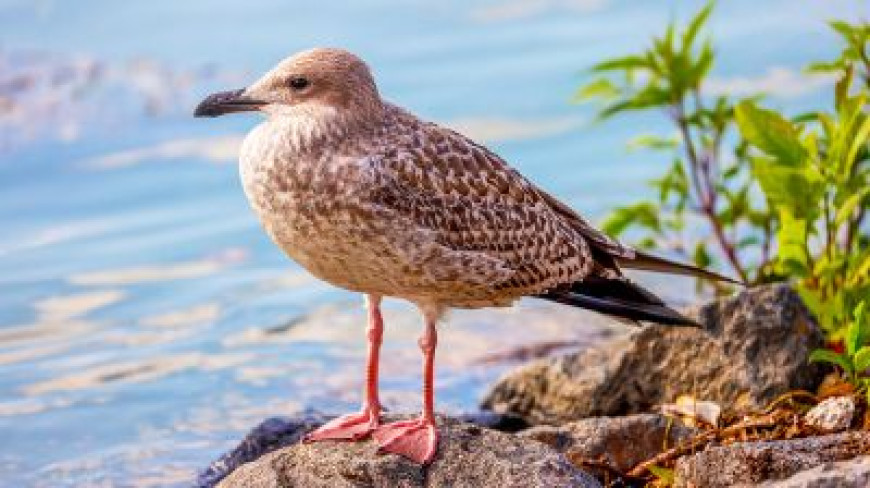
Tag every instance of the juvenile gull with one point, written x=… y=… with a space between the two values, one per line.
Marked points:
x=370 y=198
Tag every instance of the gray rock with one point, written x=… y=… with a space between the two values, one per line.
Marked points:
x=833 y=414
x=854 y=473
x=469 y=456
x=620 y=442
x=750 y=463
x=271 y=434
x=754 y=347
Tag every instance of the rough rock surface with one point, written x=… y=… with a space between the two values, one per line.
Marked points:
x=750 y=463
x=469 y=455
x=621 y=442
x=271 y=434
x=753 y=347
x=833 y=414
x=854 y=473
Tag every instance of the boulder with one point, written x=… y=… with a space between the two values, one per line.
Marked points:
x=469 y=456
x=619 y=442
x=751 y=463
x=753 y=347
x=271 y=434
x=854 y=473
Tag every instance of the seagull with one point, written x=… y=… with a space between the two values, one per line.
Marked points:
x=372 y=199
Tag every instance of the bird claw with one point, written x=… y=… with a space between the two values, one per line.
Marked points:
x=351 y=427
x=416 y=439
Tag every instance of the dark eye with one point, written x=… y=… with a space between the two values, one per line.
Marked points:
x=299 y=83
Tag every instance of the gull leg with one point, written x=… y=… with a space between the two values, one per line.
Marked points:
x=359 y=425
x=417 y=439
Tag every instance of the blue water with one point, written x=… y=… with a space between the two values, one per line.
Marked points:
x=145 y=320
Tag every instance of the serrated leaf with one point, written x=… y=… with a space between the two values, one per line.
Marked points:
x=829 y=356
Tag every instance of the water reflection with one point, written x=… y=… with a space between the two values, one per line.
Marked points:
x=145 y=320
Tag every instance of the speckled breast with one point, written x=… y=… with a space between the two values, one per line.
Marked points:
x=311 y=210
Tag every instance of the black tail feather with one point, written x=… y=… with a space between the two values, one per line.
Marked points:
x=620 y=298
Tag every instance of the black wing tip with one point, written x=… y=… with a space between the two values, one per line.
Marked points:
x=647 y=312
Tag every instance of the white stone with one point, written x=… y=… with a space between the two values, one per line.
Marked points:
x=833 y=414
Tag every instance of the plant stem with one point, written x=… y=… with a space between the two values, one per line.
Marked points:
x=705 y=193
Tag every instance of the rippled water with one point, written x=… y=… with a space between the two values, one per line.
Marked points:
x=145 y=320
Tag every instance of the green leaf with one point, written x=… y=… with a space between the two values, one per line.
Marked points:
x=860 y=137
x=701 y=257
x=798 y=190
x=647 y=243
x=625 y=63
x=770 y=132
x=648 y=141
x=852 y=339
x=601 y=88
x=650 y=96
x=842 y=27
x=829 y=356
x=850 y=205
x=748 y=241
x=792 y=235
x=662 y=473
x=644 y=214
x=841 y=89
x=696 y=24
x=825 y=67
x=860 y=314
x=703 y=64
x=862 y=359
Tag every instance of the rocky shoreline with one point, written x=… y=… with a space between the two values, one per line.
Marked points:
x=617 y=415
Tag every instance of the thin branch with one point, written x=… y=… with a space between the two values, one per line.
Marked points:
x=707 y=205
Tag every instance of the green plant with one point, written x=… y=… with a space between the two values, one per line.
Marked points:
x=817 y=180
x=780 y=198
x=854 y=56
x=815 y=175
x=855 y=358
x=707 y=180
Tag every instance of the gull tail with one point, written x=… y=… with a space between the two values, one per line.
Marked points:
x=648 y=262
x=619 y=298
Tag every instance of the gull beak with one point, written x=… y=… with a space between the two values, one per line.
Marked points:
x=227 y=102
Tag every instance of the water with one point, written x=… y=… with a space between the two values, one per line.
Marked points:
x=145 y=320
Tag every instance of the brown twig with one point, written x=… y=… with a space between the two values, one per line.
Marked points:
x=766 y=421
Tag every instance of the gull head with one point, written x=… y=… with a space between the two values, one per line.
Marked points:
x=314 y=85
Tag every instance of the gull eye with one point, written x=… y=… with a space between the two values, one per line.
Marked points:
x=299 y=83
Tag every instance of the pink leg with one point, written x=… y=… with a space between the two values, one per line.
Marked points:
x=356 y=426
x=416 y=439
